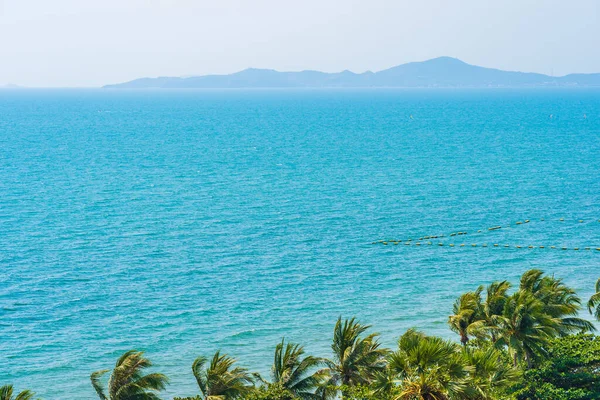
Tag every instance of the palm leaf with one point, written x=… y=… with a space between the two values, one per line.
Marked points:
x=594 y=302
x=95 y=378
x=25 y=395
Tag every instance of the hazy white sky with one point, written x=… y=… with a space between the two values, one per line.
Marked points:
x=94 y=42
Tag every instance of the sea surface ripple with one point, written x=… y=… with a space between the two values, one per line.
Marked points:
x=182 y=222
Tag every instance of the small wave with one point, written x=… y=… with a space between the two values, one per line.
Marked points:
x=242 y=334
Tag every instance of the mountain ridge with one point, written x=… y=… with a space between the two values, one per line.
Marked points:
x=436 y=72
x=11 y=86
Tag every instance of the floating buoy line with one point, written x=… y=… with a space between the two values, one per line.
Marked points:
x=427 y=240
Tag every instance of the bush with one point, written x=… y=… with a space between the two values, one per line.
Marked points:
x=270 y=392
x=570 y=371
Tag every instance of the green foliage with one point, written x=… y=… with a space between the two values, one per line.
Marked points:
x=220 y=380
x=357 y=359
x=559 y=301
x=542 y=308
x=273 y=391
x=188 y=398
x=594 y=302
x=295 y=373
x=467 y=312
x=524 y=328
x=6 y=393
x=127 y=380
x=429 y=367
x=490 y=373
x=569 y=373
x=363 y=392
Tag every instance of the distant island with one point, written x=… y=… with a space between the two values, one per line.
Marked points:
x=437 y=72
x=11 y=86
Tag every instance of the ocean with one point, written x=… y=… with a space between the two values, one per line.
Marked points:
x=182 y=222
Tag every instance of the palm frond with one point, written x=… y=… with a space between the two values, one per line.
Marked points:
x=220 y=378
x=6 y=392
x=594 y=302
x=25 y=395
x=97 y=385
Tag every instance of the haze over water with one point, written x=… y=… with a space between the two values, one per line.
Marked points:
x=181 y=222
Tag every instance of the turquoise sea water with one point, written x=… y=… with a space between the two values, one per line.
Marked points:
x=181 y=222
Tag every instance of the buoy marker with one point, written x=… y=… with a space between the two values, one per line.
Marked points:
x=492 y=228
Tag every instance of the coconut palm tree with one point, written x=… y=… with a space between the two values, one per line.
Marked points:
x=294 y=373
x=220 y=380
x=429 y=368
x=524 y=327
x=559 y=301
x=357 y=359
x=492 y=307
x=476 y=317
x=127 y=380
x=594 y=302
x=467 y=312
x=6 y=393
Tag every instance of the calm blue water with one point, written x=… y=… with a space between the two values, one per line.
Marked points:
x=183 y=222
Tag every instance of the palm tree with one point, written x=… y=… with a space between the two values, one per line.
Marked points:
x=559 y=301
x=357 y=359
x=6 y=393
x=384 y=384
x=127 y=381
x=594 y=302
x=220 y=380
x=429 y=368
x=524 y=328
x=294 y=373
x=474 y=317
x=489 y=374
x=492 y=307
x=466 y=313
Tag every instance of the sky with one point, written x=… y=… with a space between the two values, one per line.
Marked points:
x=88 y=43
